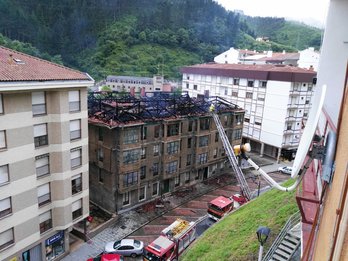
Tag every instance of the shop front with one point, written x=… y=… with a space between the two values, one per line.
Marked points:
x=55 y=246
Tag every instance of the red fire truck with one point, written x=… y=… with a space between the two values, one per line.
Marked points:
x=172 y=242
x=220 y=206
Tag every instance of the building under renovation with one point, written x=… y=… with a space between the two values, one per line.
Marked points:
x=142 y=148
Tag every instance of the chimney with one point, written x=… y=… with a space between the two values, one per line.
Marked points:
x=10 y=59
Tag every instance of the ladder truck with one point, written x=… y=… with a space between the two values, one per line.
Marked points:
x=173 y=240
x=219 y=207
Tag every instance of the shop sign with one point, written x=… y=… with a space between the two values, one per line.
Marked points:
x=55 y=238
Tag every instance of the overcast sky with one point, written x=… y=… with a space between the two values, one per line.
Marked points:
x=308 y=11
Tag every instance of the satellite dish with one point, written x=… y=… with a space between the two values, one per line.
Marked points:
x=309 y=130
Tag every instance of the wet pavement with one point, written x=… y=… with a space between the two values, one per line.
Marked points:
x=147 y=223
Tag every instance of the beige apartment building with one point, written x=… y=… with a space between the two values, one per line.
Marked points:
x=43 y=156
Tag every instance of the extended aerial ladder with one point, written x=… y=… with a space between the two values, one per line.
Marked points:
x=245 y=190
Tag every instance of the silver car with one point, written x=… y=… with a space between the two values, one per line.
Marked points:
x=285 y=170
x=125 y=247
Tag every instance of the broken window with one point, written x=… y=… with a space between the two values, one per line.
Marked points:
x=203 y=158
x=203 y=141
x=204 y=124
x=130 y=136
x=130 y=178
x=172 y=129
x=173 y=147
x=131 y=156
x=172 y=167
x=155 y=150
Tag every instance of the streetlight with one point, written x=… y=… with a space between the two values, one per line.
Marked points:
x=262 y=235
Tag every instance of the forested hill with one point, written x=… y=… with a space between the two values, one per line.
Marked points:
x=135 y=37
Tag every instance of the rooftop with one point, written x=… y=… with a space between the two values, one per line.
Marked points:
x=16 y=66
x=253 y=71
x=113 y=109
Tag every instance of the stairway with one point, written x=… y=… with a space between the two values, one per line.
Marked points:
x=286 y=248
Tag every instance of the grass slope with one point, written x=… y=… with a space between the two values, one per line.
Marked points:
x=234 y=237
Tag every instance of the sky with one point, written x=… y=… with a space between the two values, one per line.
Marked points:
x=312 y=12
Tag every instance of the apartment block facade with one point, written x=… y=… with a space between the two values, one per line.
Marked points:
x=276 y=100
x=43 y=156
x=142 y=149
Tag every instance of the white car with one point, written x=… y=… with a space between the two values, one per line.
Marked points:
x=125 y=247
x=285 y=170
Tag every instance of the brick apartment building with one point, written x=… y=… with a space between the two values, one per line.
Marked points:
x=142 y=148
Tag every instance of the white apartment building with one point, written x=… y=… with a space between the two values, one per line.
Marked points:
x=135 y=84
x=43 y=156
x=276 y=100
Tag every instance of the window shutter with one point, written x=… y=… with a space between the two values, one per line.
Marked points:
x=38 y=98
x=41 y=162
x=5 y=204
x=40 y=130
x=75 y=154
x=76 y=205
x=74 y=125
x=74 y=96
x=43 y=190
x=45 y=216
x=3 y=174
x=6 y=236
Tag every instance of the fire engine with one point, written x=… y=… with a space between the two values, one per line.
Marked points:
x=173 y=240
x=220 y=206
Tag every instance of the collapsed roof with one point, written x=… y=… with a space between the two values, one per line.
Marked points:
x=114 y=109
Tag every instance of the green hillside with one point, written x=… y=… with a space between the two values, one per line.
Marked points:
x=234 y=237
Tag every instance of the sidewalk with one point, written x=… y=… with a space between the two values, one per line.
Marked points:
x=130 y=221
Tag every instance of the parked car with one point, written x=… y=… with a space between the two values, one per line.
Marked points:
x=125 y=247
x=107 y=257
x=285 y=170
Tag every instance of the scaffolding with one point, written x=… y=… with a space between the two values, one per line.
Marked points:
x=114 y=109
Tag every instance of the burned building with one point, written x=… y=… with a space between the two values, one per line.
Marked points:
x=142 y=148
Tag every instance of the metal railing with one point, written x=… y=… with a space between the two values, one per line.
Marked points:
x=292 y=221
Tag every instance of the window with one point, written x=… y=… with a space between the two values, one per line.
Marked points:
x=155 y=150
x=157 y=131
x=142 y=192
x=4 y=178
x=187 y=86
x=235 y=81
x=215 y=153
x=45 y=220
x=203 y=141
x=100 y=175
x=74 y=101
x=204 y=124
x=235 y=93
x=131 y=156
x=143 y=153
x=177 y=181
x=195 y=86
x=173 y=147
x=5 y=207
x=1 y=105
x=258 y=122
x=261 y=97
x=6 y=238
x=142 y=172
x=263 y=84
x=75 y=129
x=246 y=120
x=155 y=169
x=130 y=136
x=187 y=177
x=203 y=158
x=100 y=134
x=38 y=103
x=172 y=129
x=42 y=165
x=76 y=184
x=76 y=157
x=237 y=134
x=3 y=140
x=188 y=159
x=288 y=127
x=226 y=91
x=250 y=83
x=172 y=167
x=143 y=132
x=44 y=194
x=191 y=126
x=238 y=119
x=76 y=208
x=216 y=136
x=125 y=199
x=100 y=154
x=308 y=100
x=249 y=95
x=130 y=178
x=40 y=135
x=154 y=189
